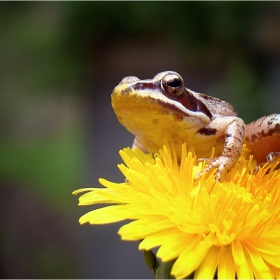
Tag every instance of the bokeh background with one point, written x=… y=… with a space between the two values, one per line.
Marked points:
x=59 y=62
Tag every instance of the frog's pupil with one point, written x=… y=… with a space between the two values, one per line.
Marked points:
x=174 y=83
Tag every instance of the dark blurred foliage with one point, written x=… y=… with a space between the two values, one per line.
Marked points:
x=59 y=64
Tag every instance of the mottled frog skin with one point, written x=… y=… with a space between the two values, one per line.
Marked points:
x=163 y=111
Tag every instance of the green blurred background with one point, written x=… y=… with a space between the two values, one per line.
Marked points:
x=59 y=62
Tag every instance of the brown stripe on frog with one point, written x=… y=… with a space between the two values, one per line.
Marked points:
x=187 y=99
x=207 y=131
x=192 y=103
x=236 y=138
x=254 y=130
x=271 y=120
x=170 y=108
x=275 y=129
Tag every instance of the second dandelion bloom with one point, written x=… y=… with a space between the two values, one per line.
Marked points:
x=228 y=229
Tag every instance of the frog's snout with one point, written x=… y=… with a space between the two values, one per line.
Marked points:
x=129 y=79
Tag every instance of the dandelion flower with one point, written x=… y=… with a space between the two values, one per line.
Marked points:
x=209 y=229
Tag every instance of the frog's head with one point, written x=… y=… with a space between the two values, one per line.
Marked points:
x=165 y=90
x=161 y=104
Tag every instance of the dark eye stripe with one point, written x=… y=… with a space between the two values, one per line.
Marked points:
x=187 y=99
x=142 y=86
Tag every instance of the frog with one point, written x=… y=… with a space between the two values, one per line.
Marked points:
x=162 y=111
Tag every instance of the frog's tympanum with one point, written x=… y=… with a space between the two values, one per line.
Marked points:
x=162 y=111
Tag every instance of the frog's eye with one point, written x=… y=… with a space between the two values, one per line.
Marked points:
x=173 y=84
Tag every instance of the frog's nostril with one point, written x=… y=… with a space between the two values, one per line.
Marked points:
x=130 y=79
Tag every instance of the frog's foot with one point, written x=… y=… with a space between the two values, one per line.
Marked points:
x=271 y=158
x=222 y=163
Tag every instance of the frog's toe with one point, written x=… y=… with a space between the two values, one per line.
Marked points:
x=209 y=168
x=273 y=156
x=222 y=163
x=220 y=171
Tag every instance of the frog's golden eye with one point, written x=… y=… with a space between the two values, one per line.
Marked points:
x=173 y=84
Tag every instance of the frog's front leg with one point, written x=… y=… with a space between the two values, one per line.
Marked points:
x=234 y=137
x=262 y=137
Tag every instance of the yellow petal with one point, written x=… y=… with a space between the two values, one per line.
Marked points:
x=140 y=229
x=173 y=247
x=158 y=238
x=103 y=215
x=208 y=266
x=189 y=259
x=238 y=253
x=226 y=268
